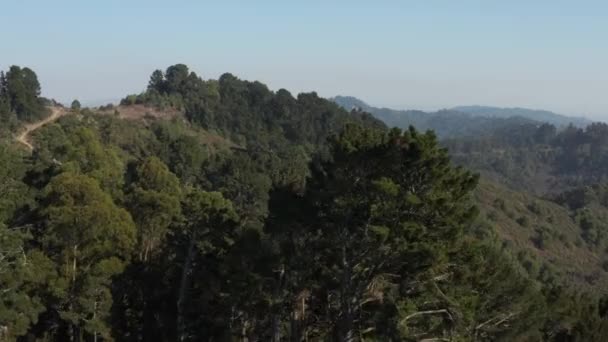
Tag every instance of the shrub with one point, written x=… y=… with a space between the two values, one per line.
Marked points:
x=499 y=203
x=523 y=221
x=492 y=216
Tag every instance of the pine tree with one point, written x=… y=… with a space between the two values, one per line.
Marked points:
x=387 y=209
x=22 y=90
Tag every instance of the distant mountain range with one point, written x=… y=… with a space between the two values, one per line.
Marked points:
x=534 y=114
x=461 y=121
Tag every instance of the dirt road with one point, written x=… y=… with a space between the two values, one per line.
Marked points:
x=24 y=137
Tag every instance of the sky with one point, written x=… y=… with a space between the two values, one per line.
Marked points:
x=426 y=54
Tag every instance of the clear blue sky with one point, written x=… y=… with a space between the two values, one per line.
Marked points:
x=410 y=54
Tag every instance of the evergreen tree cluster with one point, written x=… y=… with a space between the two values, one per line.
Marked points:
x=247 y=112
x=20 y=96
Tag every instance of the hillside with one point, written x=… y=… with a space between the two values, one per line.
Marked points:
x=461 y=121
x=537 y=115
x=527 y=169
x=538 y=159
x=548 y=238
x=24 y=135
x=206 y=209
x=445 y=123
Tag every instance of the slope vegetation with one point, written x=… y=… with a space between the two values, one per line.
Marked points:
x=24 y=137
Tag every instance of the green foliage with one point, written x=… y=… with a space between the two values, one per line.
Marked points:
x=209 y=232
x=593 y=228
x=523 y=221
x=247 y=112
x=14 y=194
x=244 y=181
x=181 y=150
x=90 y=239
x=20 y=92
x=536 y=159
x=23 y=274
x=256 y=215
x=554 y=236
x=471 y=121
x=78 y=149
x=75 y=105
x=153 y=200
x=381 y=199
x=489 y=299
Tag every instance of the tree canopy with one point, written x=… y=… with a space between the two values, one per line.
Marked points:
x=256 y=215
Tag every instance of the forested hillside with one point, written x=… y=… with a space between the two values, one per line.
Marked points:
x=545 y=168
x=534 y=172
x=533 y=114
x=219 y=210
x=465 y=121
x=538 y=157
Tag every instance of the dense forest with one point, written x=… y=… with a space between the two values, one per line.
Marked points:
x=219 y=210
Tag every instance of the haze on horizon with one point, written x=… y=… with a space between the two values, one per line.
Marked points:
x=401 y=54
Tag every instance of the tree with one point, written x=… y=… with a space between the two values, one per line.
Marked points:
x=209 y=230
x=154 y=203
x=23 y=276
x=289 y=242
x=186 y=158
x=83 y=152
x=22 y=91
x=75 y=106
x=6 y=116
x=545 y=134
x=243 y=181
x=175 y=77
x=157 y=81
x=13 y=192
x=480 y=294
x=387 y=209
x=91 y=240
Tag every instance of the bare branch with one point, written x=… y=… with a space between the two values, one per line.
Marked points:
x=499 y=322
x=428 y=312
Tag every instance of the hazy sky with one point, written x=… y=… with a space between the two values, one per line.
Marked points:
x=408 y=54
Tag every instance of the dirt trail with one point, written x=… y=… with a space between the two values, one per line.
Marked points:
x=24 y=137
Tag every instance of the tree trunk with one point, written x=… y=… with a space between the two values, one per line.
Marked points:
x=244 y=326
x=276 y=315
x=183 y=287
x=295 y=332
x=71 y=333
x=146 y=251
x=94 y=316
x=276 y=328
x=74 y=264
x=298 y=315
x=345 y=327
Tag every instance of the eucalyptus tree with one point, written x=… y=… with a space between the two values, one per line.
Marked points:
x=90 y=240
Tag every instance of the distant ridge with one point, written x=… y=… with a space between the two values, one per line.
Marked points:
x=461 y=121
x=534 y=114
